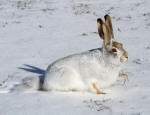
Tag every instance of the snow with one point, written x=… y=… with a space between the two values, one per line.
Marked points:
x=34 y=33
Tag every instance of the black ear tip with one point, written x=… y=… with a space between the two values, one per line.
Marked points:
x=99 y=20
x=106 y=16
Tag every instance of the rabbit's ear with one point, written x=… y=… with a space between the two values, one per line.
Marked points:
x=100 y=29
x=104 y=33
x=107 y=36
x=109 y=24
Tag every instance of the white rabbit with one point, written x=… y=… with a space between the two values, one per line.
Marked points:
x=91 y=70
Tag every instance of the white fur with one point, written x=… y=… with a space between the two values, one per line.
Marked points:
x=80 y=71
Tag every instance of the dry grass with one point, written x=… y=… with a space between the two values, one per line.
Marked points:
x=97 y=105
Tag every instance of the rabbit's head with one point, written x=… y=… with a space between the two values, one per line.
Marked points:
x=112 y=49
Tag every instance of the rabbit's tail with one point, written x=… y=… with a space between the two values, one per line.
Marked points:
x=28 y=84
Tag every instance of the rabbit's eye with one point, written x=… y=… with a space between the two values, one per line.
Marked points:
x=114 y=50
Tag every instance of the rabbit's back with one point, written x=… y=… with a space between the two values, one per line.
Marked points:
x=77 y=60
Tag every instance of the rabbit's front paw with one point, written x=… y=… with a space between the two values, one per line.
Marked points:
x=123 y=75
x=97 y=90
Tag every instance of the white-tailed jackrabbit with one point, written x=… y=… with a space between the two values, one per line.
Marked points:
x=91 y=70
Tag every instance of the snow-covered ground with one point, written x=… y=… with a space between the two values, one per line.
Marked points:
x=34 y=33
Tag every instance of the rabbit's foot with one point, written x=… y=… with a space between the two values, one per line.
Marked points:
x=97 y=90
x=100 y=92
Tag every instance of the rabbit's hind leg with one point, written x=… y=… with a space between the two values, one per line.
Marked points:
x=97 y=89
